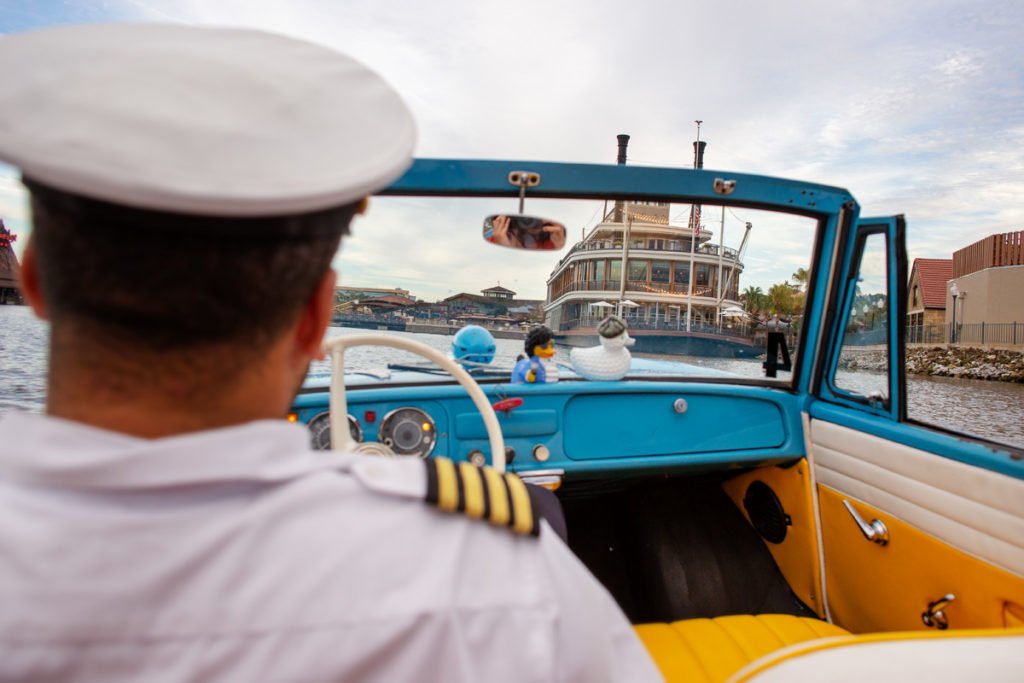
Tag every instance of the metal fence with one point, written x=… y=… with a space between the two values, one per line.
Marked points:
x=971 y=333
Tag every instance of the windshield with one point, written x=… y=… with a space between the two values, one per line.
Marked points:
x=699 y=303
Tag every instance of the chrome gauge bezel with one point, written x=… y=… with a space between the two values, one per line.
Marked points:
x=354 y=430
x=319 y=427
x=424 y=448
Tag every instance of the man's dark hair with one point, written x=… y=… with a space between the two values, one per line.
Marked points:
x=157 y=281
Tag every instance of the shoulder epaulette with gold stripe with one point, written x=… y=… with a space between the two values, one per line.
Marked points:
x=481 y=493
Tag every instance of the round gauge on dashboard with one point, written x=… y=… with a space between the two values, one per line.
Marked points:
x=320 y=431
x=408 y=431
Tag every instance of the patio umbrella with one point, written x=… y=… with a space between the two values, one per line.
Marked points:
x=603 y=304
x=627 y=302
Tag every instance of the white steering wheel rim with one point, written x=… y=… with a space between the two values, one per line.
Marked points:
x=336 y=347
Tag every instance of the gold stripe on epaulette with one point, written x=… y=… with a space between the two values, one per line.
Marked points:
x=498 y=497
x=523 y=523
x=472 y=489
x=447 y=485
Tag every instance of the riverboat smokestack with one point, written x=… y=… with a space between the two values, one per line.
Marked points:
x=698 y=153
x=621 y=160
x=623 y=143
x=698 y=162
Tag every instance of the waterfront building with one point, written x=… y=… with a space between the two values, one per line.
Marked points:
x=493 y=301
x=345 y=293
x=376 y=304
x=926 y=298
x=989 y=278
x=498 y=292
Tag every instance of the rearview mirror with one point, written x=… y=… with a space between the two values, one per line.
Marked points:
x=524 y=232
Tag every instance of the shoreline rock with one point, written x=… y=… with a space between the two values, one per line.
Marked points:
x=997 y=365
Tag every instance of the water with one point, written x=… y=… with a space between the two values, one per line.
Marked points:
x=22 y=360
x=994 y=410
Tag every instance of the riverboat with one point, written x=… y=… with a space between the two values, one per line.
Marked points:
x=759 y=525
x=669 y=312
x=677 y=288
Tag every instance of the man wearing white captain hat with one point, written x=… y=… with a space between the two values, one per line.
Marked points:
x=161 y=522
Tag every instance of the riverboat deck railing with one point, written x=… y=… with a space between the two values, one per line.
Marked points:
x=728 y=254
x=742 y=331
x=641 y=287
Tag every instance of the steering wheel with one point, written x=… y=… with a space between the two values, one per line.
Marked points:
x=336 y=348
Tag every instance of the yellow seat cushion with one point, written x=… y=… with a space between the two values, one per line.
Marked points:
x=712 y=650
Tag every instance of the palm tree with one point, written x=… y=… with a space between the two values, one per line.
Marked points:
x=753 y=299
x=800 y=277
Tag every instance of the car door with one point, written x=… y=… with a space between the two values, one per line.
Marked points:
x=919 y=528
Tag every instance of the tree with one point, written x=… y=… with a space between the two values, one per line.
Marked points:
x=784 y=299
x=800 y=277
x=754 y=299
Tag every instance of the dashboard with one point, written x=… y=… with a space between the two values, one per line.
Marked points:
x=574 y=428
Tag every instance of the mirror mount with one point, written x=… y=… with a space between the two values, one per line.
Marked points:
x=522 y=180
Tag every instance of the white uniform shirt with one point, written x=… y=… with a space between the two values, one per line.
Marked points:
x=239 y=554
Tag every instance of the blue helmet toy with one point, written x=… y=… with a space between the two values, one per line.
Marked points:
x=474 y=344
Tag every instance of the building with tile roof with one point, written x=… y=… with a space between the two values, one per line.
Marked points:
x=926 y=298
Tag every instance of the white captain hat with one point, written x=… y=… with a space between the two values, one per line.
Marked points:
x=212 y=121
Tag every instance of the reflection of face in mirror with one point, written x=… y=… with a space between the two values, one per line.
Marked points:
x=524 y=232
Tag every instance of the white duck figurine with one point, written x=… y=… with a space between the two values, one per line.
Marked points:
x=610 y=360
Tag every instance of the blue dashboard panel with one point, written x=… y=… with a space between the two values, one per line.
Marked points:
x=595 y=428
x=521 y=422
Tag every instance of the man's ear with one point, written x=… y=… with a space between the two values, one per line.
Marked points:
x=316 y=316
x=31 y=288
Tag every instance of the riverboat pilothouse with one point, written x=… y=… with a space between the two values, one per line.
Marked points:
x=678 y=290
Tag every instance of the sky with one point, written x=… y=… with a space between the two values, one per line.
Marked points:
x=916 y=107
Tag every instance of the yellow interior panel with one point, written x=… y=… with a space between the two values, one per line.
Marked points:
x=1013 y=615
x=797 y=555
x=886 y=588
x=712 y=650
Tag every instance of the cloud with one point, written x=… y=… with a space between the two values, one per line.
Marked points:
x=916 y=107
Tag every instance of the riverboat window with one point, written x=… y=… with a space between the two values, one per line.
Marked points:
x=598 y=270
x=614 y=269
x=702 y=274
x=659 y=271
x=637 y=270
x=682 y=274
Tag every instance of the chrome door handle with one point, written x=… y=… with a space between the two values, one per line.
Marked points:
x=935 y=615
x=876 y=532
